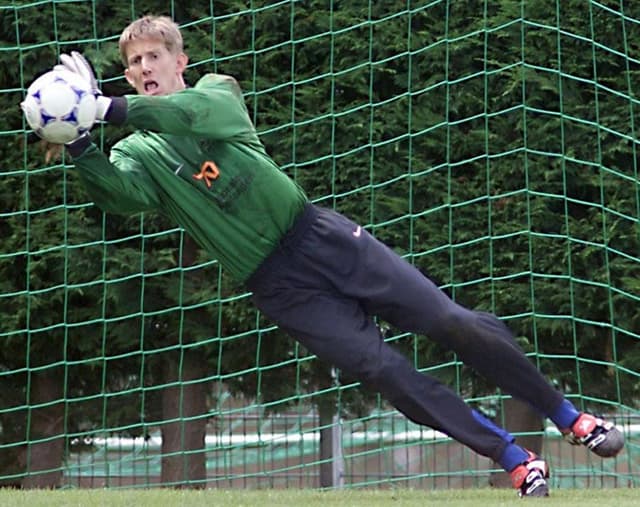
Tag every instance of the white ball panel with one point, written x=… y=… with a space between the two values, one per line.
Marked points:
x=59 y=132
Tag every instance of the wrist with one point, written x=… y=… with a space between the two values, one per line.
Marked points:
x=78 y=146
x=112 y=109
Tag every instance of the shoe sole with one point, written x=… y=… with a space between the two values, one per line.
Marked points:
x=541 y=490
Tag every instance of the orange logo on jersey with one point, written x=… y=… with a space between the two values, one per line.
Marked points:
x=208 y=172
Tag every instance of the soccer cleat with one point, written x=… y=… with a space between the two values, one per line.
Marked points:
x=599 y=436
x=530 y=477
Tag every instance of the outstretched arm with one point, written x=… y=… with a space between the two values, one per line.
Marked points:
x=214 y=108
x=118 y=184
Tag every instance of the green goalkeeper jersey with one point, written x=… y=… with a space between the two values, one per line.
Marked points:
x=197 y=158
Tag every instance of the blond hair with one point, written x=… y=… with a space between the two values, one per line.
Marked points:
x=162 y=28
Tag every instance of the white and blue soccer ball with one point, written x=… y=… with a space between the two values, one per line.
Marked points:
x=59 y=106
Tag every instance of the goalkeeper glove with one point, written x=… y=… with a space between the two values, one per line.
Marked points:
x=78 y=64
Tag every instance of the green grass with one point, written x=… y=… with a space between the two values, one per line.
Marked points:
x=310 y=498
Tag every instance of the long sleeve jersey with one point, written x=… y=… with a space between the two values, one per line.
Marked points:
x=196 y=157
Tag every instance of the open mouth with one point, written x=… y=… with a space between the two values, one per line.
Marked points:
x=150 y=87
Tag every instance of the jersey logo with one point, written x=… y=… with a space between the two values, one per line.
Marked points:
x=209 y=172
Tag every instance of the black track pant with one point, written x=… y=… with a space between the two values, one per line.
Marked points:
x=329 y=277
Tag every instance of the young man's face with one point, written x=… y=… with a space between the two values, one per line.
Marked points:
x=152 y=69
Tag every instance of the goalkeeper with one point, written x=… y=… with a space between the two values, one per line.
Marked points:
x=196 y=157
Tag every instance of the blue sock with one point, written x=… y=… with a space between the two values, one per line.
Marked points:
x=513 y=454
x=565 y=415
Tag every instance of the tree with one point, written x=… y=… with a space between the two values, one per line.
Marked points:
x=489 y=143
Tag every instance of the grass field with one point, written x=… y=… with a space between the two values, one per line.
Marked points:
x=310 y=498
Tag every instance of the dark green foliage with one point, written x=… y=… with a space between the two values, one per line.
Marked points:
x=491 y=143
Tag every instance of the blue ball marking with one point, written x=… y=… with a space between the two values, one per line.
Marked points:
x=79 y=92
x=46 y=118
x=71 y=117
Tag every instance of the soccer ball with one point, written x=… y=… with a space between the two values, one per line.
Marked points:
x=59 y=106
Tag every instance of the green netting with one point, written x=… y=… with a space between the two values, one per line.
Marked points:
x=492 y=143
